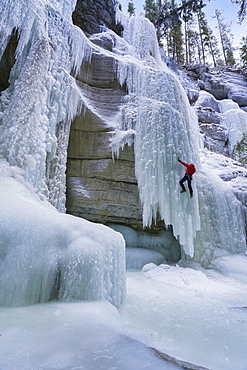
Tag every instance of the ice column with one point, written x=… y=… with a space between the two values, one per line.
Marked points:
x=46 y=254
x=235 y=120
x=222 y=219
x=164 y=125
x=157 y=117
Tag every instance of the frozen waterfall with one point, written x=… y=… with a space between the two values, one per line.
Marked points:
x=158 y=119
x=46 y=254
x=36 y=120
x=86 y=261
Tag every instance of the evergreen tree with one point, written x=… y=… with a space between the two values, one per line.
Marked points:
x=186 y=11
x=243 y=52
x=242 y=9
x=208 y=40
x=131 y=8
x=241 y=3
x=193 y=45
x=187 y=17
x=200 y=20
x=151 y=10
x=225 y=38
x=175 y=44
x=212 y=43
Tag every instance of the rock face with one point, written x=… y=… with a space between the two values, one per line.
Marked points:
x=210 y=123
x=222 y=84
x=99 y=188
x=93 y=16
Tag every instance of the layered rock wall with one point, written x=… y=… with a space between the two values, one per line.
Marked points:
x=99 y=188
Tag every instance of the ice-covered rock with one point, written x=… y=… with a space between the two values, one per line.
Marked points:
x=223 y=124
x=47 y=255
x=215 y=137
x=210 y=121
x=231 y=172
x=225 y=85
x=207 y=100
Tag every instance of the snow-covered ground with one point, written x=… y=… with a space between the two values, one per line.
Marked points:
x=88 y=336
x=195 y=315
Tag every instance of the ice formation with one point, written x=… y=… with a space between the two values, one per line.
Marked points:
x=235 y=120
x=46 y=254
x=164 y=125
x=162 y=242
x=36 y=111
x=36 y=120
x=162 y=120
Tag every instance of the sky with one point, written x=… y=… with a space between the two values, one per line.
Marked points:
x=229 y=13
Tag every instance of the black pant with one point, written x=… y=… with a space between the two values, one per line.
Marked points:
x=188 y=178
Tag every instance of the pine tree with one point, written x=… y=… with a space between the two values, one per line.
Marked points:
x=243 y=52
x=208 y=40
x=194 y=48
x=212 y=43
x=199 y=20
x=175 y=39
x=131 y=8
x=187 y=17
x=186 y=11
x=242 y=9
x=225 y=38
x=151 y=10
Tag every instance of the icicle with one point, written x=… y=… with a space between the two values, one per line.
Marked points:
x=164 y=124
x=36 y=120
x=46 y=254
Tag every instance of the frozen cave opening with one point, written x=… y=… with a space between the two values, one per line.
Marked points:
x=143 y=247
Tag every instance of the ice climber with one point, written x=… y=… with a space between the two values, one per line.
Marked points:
x=187 y=177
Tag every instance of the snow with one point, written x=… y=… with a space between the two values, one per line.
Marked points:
x=197 y=315
x=194 y=314
x=73 y=336
x=207 y=100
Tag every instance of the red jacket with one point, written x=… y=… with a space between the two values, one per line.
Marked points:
x=190 y=168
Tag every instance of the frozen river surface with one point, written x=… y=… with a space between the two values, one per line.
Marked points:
x=195 y=315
